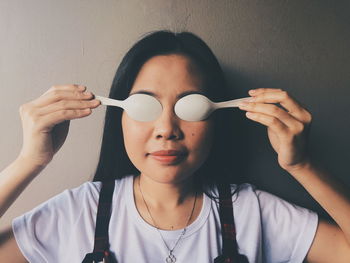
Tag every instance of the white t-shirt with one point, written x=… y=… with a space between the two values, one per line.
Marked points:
x=61 y=229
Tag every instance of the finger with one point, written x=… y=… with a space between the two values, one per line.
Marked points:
x=255 y=92
x=272 y=122
x=68 y=105
x=57 y=95
x=67 y=87
x=286 y=101
x=49 y=120
x=272 y=110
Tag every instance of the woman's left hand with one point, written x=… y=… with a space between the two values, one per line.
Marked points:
x=287 y=129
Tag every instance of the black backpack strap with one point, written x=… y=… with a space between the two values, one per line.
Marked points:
x=228 y=229
x=101 y=245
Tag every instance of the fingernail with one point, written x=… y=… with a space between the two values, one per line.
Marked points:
x=252 y=91
x=249 y=114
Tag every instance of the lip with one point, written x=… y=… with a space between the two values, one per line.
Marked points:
x=168 y=156
x=168 y=153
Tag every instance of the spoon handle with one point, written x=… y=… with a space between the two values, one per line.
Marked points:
x=230 y=103
x=110 y=102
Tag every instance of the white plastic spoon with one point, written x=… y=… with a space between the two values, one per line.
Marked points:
x=140 y=107
x=196 y=107
x=193 y=107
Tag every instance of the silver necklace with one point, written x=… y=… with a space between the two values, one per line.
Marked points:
x=171 y=257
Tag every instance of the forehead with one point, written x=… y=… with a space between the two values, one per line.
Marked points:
x=169 y=74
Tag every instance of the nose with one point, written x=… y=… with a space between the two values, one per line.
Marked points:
x=167 y=126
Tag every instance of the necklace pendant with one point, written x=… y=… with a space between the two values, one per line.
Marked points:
x=171 y=258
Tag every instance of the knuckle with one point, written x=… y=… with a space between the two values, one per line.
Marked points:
x=63 y=104
x=55 y=93
x=251 y=106
x=65 y=113
x=72 y=113
x=83 y=104
x=79 y=113
x=289 y=136
x=86 y=111
x=77 y=94
x=298 y=128
x=284 y=94
x=27 y=111
x=308 y=117
x=22 y=108
x=34 y=118
x=275 y=109
x=274 y=121
x=30 y=112
x=90 y=103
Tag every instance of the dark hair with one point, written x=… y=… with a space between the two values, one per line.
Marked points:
x=114 y=162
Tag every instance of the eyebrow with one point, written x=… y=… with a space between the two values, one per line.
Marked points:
x=183 y=94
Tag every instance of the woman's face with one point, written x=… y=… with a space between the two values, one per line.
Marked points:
x=167 y=77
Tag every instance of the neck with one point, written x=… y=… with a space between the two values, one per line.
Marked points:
x=165 y=196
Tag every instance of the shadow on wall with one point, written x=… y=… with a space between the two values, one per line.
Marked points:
x=247 y=137
x=252 y=156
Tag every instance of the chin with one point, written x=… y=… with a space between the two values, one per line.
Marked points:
x=167 y=175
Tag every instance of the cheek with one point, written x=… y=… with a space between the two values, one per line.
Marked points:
x=200 y=138
x=134 y=136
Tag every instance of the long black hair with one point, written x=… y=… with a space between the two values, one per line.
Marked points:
x=114 y=162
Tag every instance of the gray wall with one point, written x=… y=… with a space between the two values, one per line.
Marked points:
x=299 y=46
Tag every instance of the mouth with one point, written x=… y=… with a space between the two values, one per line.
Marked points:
x=168 y=156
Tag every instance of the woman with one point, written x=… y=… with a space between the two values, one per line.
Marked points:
x=166 y=172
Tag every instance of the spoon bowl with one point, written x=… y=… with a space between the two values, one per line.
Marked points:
x=142 y=107
x=197 y=107
x=193 y=107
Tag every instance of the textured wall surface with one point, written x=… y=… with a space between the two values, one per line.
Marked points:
x=299 y=46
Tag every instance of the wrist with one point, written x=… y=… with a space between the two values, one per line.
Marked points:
x=300 y=167
x=32 y=160
x=303 y=163
x=29 y=164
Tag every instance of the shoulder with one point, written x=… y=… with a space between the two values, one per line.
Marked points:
x=60 y=223
x=272 y=211
x=82 y=196
x=71 y=202
x=268 y=203
x=88 y=192
x=244 y=193
x=286 y=230
x=248 y=192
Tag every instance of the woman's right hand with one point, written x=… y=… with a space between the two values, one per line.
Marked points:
x=45 y=120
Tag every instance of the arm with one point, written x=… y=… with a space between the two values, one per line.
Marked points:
x=45 y=123
x=13 y=180
x=9 y=250
x=332 y=241
x=287 y=130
